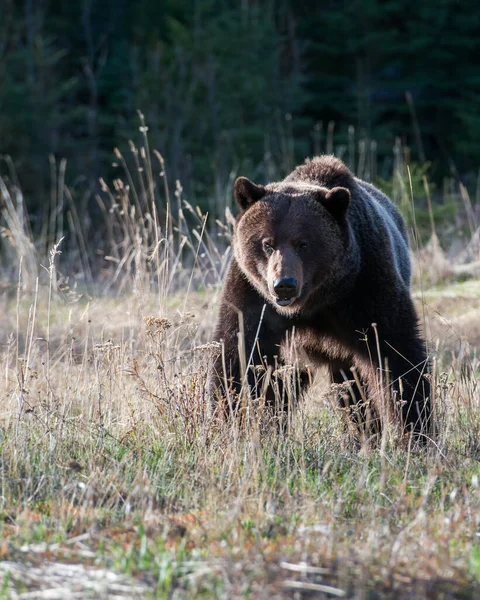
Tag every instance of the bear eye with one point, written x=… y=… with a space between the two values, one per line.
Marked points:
x=302 y=246
x=267 y=247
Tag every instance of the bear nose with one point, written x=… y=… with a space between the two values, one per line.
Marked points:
x=285 y=287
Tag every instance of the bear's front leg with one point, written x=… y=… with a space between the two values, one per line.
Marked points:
x=251 y=333
x=352 y=398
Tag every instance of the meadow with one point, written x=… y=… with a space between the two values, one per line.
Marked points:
x=117 y=478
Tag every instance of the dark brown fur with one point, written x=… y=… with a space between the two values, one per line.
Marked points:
x=344 y=243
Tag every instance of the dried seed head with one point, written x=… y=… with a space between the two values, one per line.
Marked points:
x=213 y=348
x=105 y=347
x=157 y=324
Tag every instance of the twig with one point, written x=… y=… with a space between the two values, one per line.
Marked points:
x=314 y=587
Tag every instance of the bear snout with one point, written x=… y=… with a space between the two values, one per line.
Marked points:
x=285 y=289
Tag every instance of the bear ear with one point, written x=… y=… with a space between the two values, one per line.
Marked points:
x=336 y=201
x=247 y=192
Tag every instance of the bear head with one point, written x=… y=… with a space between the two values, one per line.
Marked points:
x=290 y=239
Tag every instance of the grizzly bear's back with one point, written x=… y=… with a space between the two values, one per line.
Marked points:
x=381 y=210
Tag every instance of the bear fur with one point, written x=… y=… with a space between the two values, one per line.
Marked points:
x=320 y=275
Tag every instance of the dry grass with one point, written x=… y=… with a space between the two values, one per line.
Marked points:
x=111 y=458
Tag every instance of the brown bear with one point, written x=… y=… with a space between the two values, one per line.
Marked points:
x=320 y=275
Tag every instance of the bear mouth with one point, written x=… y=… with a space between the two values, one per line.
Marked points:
x=285 y=301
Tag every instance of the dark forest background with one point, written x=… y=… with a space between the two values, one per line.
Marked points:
x=235 y=86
